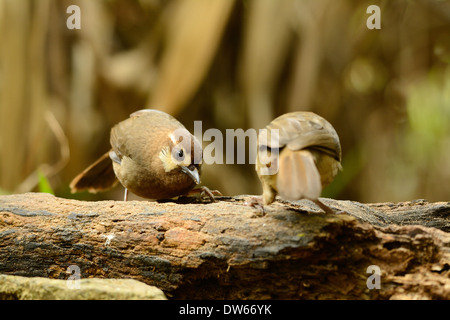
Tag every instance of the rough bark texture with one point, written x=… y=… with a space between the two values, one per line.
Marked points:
x=229 y=249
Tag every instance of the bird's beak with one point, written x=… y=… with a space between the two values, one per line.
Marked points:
x=193 y=173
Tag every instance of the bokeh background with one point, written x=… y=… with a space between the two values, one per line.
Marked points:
x=232 y=64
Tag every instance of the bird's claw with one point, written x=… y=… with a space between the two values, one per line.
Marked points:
x=203 y=192
x=257 y=203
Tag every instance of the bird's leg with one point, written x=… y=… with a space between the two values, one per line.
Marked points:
x=323 y=206
x=125 y=195
x=267 y=197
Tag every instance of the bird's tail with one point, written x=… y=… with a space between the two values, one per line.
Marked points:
x=298 y=176
x=99 y=176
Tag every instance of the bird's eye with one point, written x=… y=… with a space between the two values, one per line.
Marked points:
x=179 y=155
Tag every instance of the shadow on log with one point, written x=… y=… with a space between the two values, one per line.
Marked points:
x=230 y=250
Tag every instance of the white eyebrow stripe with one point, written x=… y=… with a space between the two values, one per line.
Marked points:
x=173 y=138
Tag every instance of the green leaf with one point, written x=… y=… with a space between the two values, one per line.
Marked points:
x=44 y=184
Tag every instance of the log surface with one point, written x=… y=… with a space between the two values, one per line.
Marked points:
x=230 y=250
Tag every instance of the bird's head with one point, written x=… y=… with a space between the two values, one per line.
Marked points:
x=183 y=152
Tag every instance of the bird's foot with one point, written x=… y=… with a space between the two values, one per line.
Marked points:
x=257 y=203
x=203 y=192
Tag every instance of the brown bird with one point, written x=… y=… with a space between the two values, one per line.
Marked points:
x=298 y=155
x=152 y=155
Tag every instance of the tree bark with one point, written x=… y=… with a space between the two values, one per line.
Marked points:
x=232 y=249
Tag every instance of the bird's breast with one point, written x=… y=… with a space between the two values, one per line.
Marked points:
x=151 y=181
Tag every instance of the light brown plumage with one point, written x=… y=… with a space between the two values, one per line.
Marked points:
x=152 y=155
x=298 y=155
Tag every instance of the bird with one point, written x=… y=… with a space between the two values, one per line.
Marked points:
x=299 y=153
x=152 y=155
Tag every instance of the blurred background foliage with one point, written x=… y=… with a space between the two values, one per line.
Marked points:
x=232 y=64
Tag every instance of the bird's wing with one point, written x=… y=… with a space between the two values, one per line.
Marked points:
x=99 y=176
x=300 y=130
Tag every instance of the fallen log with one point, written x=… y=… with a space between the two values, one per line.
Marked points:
x=233 y=250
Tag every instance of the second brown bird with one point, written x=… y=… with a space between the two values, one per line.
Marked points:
x=298 y=155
